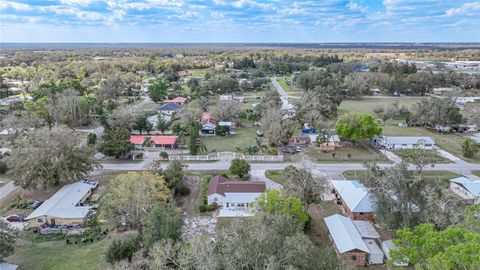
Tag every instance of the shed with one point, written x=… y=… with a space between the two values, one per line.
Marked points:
x=375 y=255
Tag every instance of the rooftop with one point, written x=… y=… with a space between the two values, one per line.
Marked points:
x=157 y=139
x=472 y=186
x=169 y=107
x=354 y=194
x=221 y=185
x=407 y=139
x=344 y=234
x=63 y=204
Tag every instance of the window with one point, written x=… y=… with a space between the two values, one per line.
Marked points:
x=39 y=220
x=354 y=258
x=227 y=204
x=361 y=213
x=215 y=199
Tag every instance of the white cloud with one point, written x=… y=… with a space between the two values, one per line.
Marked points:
x=250 y=3
x=15 y=5
x=217 y=15
x=83 y=3
x=292 y=11
x=467 y=8
x=355 y=7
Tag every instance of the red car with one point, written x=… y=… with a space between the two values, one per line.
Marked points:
x=15 y=218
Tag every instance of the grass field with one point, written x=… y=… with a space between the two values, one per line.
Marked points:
x=444 y=175
x=449 y=142
x=276 y=176
x=367 y=105
x=431 y=157
x=283 y=81
x=244 y=138
x=345 y=154
x=58 y=255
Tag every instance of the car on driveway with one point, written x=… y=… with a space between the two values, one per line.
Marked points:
x=291 y=149
x=15 y=218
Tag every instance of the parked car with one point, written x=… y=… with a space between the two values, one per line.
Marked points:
x=15 y=218
x=291 y=149
x=34 y=205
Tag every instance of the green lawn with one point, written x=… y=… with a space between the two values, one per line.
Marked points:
x=431 y=157
x=345 y=154
x=284 y=83
x=449 y=142
x=276 y=176
x=367 y=105
x=444 y=175
x=58 y=255
x=244 y=137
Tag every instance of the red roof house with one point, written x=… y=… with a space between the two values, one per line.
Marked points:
x=158 y=141
x=178 y=100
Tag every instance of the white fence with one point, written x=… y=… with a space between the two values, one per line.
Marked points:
x=226 y=156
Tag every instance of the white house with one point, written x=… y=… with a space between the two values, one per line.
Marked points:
x=466 y=188
x=404 y=142
x=234 y=197
x=64 y=207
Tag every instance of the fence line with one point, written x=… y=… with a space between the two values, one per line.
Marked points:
x=223 y=156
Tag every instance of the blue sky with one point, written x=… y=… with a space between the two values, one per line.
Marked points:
x=239 y=21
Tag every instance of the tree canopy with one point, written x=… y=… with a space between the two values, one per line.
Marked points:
x=356 y=126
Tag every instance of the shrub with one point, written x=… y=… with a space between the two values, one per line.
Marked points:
x=182 y=189
x=164 y=155
x=122 y=249
x=3 y=167
x=207 y=207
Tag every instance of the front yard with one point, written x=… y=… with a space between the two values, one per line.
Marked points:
x=244 y=137
x=449 y=142
x=431 y=175
x=345 y=154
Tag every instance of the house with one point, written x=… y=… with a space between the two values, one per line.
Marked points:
x=301 y=140
x=157 y=141
x=329 y=139
x=178 y=100
x=169 y=108
x=466 y=188
x=234 y=197
x=354 y=199
x=229 y=124
x=404 y=142
x=465 y=128
x=209 y=123
x=65 y=207
x=225 y=98
x=350 y=242
x=8 y=266
x=387 y=247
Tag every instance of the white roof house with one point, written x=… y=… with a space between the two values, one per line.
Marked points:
x=466 y=188
x=347 y=236
x=404 y=142
x=344 y=234
x=366 y=229
x=354 y=194
x=64 y=203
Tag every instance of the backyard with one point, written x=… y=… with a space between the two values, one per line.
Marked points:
x=367 y=105
x=59 y=255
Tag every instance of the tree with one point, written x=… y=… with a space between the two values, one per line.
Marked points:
x=131 y=196
x=305 y=186
x=7 y=240
x=121 y=249
x=142 y=124
x=427 y=248
x=273 y=202
x=162 y=125
x=239 y=167
x=403 y=198
x=355 y=126
x=48 y=158
x=116 y=142
x=227 y=110
x=91 y=139
x=470 y=148
x=193 y=146
x=435 y=111
x=158 y=90
x=163 y=222
x=222 y=130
